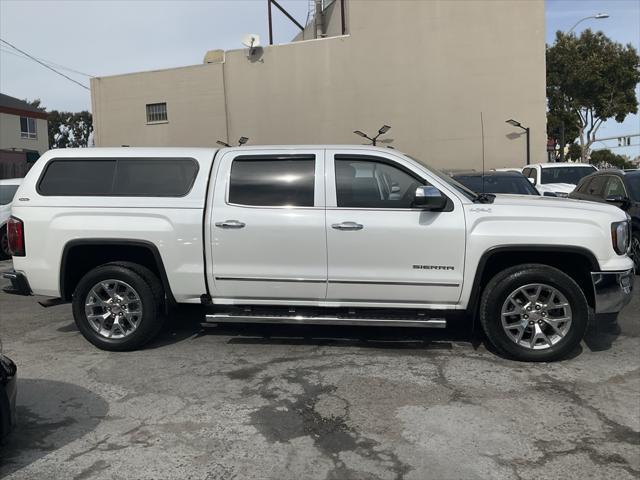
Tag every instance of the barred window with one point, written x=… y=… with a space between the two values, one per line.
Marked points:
x=156 y=112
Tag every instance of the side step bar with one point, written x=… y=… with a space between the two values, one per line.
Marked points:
x=327 y=320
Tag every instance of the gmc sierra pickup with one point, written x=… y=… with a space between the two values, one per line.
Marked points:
x=337 y=235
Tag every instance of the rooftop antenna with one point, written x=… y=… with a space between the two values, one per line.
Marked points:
x=251 y=41
x=482 y=130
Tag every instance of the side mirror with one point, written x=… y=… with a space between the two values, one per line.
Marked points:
x=550 y=194
x=619 y=201
x=429 y=198
x=532 y=181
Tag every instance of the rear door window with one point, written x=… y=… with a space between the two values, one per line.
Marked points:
x=272 y=181
x=146 y=177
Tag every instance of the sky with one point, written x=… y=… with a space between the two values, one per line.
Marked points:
x=108 y=37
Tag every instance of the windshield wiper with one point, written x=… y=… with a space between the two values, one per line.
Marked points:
x=484 y=198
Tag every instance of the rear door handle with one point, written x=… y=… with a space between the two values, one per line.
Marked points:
x=230 y=224
x=347 y=226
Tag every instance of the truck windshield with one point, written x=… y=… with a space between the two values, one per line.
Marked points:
x=471 y=195
x=565 y=174
x=6 y=193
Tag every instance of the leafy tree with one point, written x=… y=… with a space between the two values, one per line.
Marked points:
x=607 y=159
x=575 y=152
x=67 y=129
x=590 y=79
x=70 y=130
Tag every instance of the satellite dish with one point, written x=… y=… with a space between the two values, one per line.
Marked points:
x=251 y=40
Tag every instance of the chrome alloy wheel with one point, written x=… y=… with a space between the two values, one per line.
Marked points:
x=536 y=316
x=113 y=309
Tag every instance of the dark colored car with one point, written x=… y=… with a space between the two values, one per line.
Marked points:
x=620 y=188
x=497 y=182
x=8 y=391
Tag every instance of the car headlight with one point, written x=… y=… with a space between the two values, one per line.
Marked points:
x=621 y=236
x=562 y=194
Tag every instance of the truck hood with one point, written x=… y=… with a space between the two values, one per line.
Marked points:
x=556 y=187
x=552 y=206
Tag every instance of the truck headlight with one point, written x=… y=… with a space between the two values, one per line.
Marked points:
x=621 y=236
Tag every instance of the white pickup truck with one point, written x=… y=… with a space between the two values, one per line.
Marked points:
x=342 y=235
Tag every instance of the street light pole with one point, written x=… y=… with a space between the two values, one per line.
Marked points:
x=527 y=130
x=597 y=16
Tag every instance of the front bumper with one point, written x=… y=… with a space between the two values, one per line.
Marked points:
x=19 y=283
x=613 y=290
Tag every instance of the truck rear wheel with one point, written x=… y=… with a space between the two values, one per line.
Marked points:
x=534 y=313
x=118 y=306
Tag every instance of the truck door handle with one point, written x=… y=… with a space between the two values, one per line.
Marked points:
x=347 y=226
x=230 y=224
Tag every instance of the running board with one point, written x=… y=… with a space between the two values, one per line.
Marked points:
x=327 y=320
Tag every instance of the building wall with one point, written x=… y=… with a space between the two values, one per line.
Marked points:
x=10 y=134
x=426 y=68
x=195 y=107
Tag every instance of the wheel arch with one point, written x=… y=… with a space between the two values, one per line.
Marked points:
x=577 y=262
x=82 y=255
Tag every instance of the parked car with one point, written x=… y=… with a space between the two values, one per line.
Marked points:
x=559 y=178
x=8 y=392
x=8 y=189
x=497 y=182
x=621 y=188
x=341 y=235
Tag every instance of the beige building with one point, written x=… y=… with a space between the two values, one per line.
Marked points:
x=24 y=136
x=425 y=67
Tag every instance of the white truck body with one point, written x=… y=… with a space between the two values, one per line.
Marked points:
x=557 y=178
x=211 y=250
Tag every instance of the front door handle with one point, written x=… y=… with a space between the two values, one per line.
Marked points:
x=347 y=226
x=230 y=224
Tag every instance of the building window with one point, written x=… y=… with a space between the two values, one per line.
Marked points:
x=156 y=112
x=28 y=127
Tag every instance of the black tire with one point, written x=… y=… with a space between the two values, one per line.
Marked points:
x=635 y=251
x=5 y=254
x=504 y=284
x=151 y=295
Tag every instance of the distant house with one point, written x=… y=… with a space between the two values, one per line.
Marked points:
x=24 y=136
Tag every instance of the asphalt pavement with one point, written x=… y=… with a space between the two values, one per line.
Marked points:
x=300 y=402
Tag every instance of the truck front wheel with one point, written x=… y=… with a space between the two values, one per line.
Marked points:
x=534 y=313
x=118 y=306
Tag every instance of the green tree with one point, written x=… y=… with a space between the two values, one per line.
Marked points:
x=67 y=129
x=590 y=79
x=607 y=159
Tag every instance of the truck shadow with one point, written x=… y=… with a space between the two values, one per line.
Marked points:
x=51 y=414
x=186 y=322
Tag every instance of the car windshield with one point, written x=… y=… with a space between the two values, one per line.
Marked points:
x=513 y=184
x=633 y=182
x=565 y=174
x=470 y=194
x=6 y=193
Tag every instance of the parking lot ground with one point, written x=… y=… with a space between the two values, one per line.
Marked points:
x=295 y=402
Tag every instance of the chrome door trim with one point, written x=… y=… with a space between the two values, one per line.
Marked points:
x=374 y=282
x=271 y=279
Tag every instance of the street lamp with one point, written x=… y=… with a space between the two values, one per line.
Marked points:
x=515 y=123
x=597 y=16
x=384 y=129
x=241 y=142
